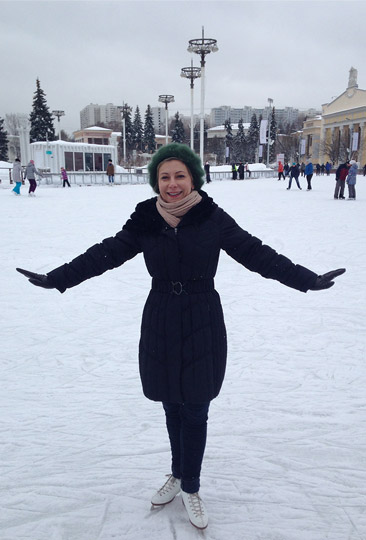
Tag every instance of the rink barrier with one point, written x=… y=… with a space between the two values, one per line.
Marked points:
x=100 y=178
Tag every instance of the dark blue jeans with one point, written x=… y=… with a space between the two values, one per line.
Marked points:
x=187 y=429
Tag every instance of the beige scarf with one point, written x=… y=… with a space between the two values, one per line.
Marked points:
x=173 y=212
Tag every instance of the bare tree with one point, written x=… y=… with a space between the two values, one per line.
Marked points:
x=12 y=124
x=336 y=148
x=287 y=145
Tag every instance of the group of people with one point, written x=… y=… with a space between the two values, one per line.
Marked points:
x=183 y=342
x=240 y=170
x=293 y=173
x=321 y=169
x=346 y=172
x=31 y=173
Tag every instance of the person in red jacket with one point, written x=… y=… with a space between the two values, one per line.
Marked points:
x=280 y=170
x=341 y=175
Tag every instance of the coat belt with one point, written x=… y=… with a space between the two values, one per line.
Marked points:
x=179 y=287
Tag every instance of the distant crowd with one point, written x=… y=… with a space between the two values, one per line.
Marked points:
x=345 y=173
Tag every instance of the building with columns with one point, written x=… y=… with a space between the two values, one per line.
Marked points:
x=340 y=132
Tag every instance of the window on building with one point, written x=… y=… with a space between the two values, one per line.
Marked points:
x=88 y=161
x=105 y=141
x=98 y=162
x=98 y=141
x=90 y=140
x=106 y=158
x=69 y=161
x=79 y=161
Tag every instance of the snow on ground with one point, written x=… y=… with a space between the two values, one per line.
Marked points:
x=82 y=450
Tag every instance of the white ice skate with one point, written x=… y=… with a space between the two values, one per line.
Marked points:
x=195 y=509
x=167 y=492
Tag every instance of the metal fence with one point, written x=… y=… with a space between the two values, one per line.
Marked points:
x=100 y=178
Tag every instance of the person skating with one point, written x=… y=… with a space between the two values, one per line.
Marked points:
x=110 y=172
x=294 y=173
x=309 y=171
x=30 y=175
x=280 y=171
x=351 y=180
x=341 y=175
x=17 y=176
x=64 y=177
x=207 y=171
x=241 y=170
x=183 y=343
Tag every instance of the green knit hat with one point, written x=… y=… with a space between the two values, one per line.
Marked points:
x=183 y=153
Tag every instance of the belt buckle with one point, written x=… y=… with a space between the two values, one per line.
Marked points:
x=177 y=287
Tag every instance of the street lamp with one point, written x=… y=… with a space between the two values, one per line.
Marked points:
x=125 y=109
x=58 y=114
x=202 y=46
x=191 y=73
x=165 y=98
x=270 y=101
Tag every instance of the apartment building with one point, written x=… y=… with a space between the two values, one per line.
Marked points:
x=219 y=115
x=94 y=114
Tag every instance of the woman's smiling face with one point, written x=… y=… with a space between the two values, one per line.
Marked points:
x=174 y=181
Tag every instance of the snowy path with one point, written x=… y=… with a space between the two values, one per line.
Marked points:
x=82 y=450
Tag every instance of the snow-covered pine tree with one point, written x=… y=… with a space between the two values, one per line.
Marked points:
x=178 y=133
x=273 y=132
x=41 y=119
x=149 y=132
x=253 y=138
x=240 y=142
x=138 y=130
x=3 y=142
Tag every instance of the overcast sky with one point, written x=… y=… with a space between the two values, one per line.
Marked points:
x=297 y=53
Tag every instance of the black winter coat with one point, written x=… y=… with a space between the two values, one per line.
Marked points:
x=182 y=352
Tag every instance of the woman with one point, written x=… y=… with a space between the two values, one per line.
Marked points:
x=30 y=174
x=182 y=352
x=351 y=180
x=17 y=176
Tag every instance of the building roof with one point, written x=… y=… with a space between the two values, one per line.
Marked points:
x=95 y=128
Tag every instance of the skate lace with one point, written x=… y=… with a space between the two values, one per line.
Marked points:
x=168 y=485
x=194 y=501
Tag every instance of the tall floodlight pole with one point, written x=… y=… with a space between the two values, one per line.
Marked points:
x=191 y=73
x=202 y=46
x=58 y=115
x=270 y=101
x=165 y=98
x=125 y=109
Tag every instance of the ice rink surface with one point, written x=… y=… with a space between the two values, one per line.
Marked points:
x=82 y=450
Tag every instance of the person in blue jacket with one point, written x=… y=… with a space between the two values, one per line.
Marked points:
x=351 y=180
x=309 y=171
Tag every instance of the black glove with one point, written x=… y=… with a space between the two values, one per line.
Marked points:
x=325 y=281
x=40 y=280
